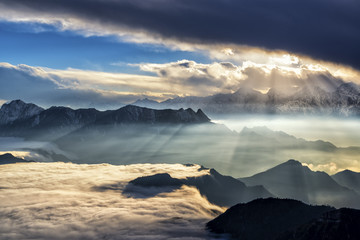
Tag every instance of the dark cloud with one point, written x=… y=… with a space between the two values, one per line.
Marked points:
x=324 y=29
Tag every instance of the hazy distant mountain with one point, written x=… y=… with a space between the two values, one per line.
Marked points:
x=283 y=140
x=218 y=189
x=9 y=158
x=293 y=180
x=348 y=179
x=148 y=103
x=334 y=225
x=316 y=97
x=17 y=110
x=265 y=219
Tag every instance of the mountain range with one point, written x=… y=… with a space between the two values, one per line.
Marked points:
x=26 y=119
x=327 y=97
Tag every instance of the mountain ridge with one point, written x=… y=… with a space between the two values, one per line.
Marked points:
x=59 y=119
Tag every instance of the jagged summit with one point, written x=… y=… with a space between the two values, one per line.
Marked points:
x=17 y=110
x=23 y=120
x=136 y=114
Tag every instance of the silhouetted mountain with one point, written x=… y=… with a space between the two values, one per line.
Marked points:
x=17 y=110
x=157 y=180
x=218 y=189
x=135 y=114
x=265 y=219
x=59 y=121
x=323 y=96
x=348 y=179
x=8 y=158
x=226 y=190
x=293 y=180
x=54 y=122
x=334 y=225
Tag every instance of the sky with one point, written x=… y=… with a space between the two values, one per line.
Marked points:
x=106 y=53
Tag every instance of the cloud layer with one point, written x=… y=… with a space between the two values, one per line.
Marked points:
x=76 y=88
x=81 y=88
x=323 y=29
x=59 y=201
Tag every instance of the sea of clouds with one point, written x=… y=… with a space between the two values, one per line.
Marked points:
x=68 y=201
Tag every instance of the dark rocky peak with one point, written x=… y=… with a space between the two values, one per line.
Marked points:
x=135 y=114
x=265 y=218
x=157 y=180
x=64 y=116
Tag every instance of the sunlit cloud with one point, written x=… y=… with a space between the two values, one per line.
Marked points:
x=330 y=167
x=2 y=101
x=168 y=80
x=19 y=154
x=61 y=201
x=283 y=73
x=29 y=149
